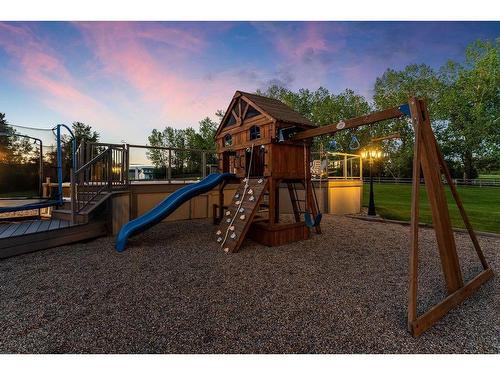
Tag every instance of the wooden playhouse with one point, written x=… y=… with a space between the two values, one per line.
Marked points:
x=253 y=142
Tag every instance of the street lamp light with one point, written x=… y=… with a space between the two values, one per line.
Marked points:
x=371 y=154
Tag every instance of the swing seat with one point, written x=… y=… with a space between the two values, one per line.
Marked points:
x=310 y=222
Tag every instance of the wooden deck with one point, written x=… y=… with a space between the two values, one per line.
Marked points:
x=31 y=235
x=20 y=228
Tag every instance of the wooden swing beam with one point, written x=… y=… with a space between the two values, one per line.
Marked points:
x=428 y=158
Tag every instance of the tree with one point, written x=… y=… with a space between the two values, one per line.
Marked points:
x=84 y=133
x=470 y=108
x=324 y=108
x=18 y=160
x=183 y=140
x=393 y=89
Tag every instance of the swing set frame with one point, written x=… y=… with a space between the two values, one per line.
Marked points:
x=428 y=159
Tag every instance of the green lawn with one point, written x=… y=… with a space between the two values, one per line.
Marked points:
x=482 y=204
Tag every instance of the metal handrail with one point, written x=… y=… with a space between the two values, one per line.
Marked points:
x=92 y=161
x=173 y=148
x=109 y=163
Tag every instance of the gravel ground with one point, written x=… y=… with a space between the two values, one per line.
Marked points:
x=171 y=291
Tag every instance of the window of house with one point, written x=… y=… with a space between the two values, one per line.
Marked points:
x=228 y=140
x=251 y=112
x=254 y=132
x=231 y=120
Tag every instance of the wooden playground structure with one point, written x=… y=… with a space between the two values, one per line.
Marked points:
x=264 y=144
x=282 y=138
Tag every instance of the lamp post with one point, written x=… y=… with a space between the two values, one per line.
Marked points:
x=371 y=154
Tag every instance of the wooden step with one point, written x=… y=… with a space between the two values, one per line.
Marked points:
x=48 y=238
x=63 y=214
x=223 y=234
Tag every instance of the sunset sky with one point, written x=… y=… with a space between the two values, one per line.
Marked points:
x=125 y=79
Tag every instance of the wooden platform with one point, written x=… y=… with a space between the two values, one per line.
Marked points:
x=31 y=235
x=278 y=234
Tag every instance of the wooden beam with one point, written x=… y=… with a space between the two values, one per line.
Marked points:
x=428 y=319
x=461 y=208
x=437 y=200
x=244 y=111
x=293 y=199
x=415 y=203
x=351 y=123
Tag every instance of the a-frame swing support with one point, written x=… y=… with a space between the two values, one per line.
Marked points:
x=428 y=159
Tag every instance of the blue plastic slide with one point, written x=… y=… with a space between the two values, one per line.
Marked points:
x=167 y=206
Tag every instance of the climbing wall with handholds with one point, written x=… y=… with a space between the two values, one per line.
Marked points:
x=239 y=215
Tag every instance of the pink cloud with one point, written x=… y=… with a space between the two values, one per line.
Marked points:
x=168 y=80
x=42 y=69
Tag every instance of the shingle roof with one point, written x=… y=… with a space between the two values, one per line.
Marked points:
x=276 y=109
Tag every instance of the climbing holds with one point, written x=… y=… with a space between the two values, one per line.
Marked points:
x=242 y=217
x=219 y=239
x=250 y=191
x=231 y=228
x=242 y=210
x=260 y=181
x=219 y=232
x=226 y=249
x=251 y=199
x=233 y=235
x=228 y=220
x=228 y=213
x=237 y=203
x=236 y=196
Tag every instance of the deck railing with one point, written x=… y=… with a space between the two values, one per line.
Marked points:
x=171 y=164
x=104 y=172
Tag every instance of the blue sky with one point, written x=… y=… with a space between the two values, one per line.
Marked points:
x=126 y=78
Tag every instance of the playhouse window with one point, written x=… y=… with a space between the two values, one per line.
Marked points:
x=254 y=132
x=231 y=120
x=251 y=112
x=228 y=140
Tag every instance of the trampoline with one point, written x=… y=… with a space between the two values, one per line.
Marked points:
x=16 y=204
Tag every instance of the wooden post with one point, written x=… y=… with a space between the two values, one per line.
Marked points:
x=461 y=208
x=272 y=200
x=415 y=196
x=293 y=199
x=439 y=207
x=277 y=202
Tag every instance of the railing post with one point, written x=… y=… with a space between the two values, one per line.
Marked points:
x=169 y=170
x=127 y=163
x=110 y=167
x=345 y=167
x=73 y=195
x=204 y=164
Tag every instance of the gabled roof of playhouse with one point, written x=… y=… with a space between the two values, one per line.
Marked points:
x=271 y=108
